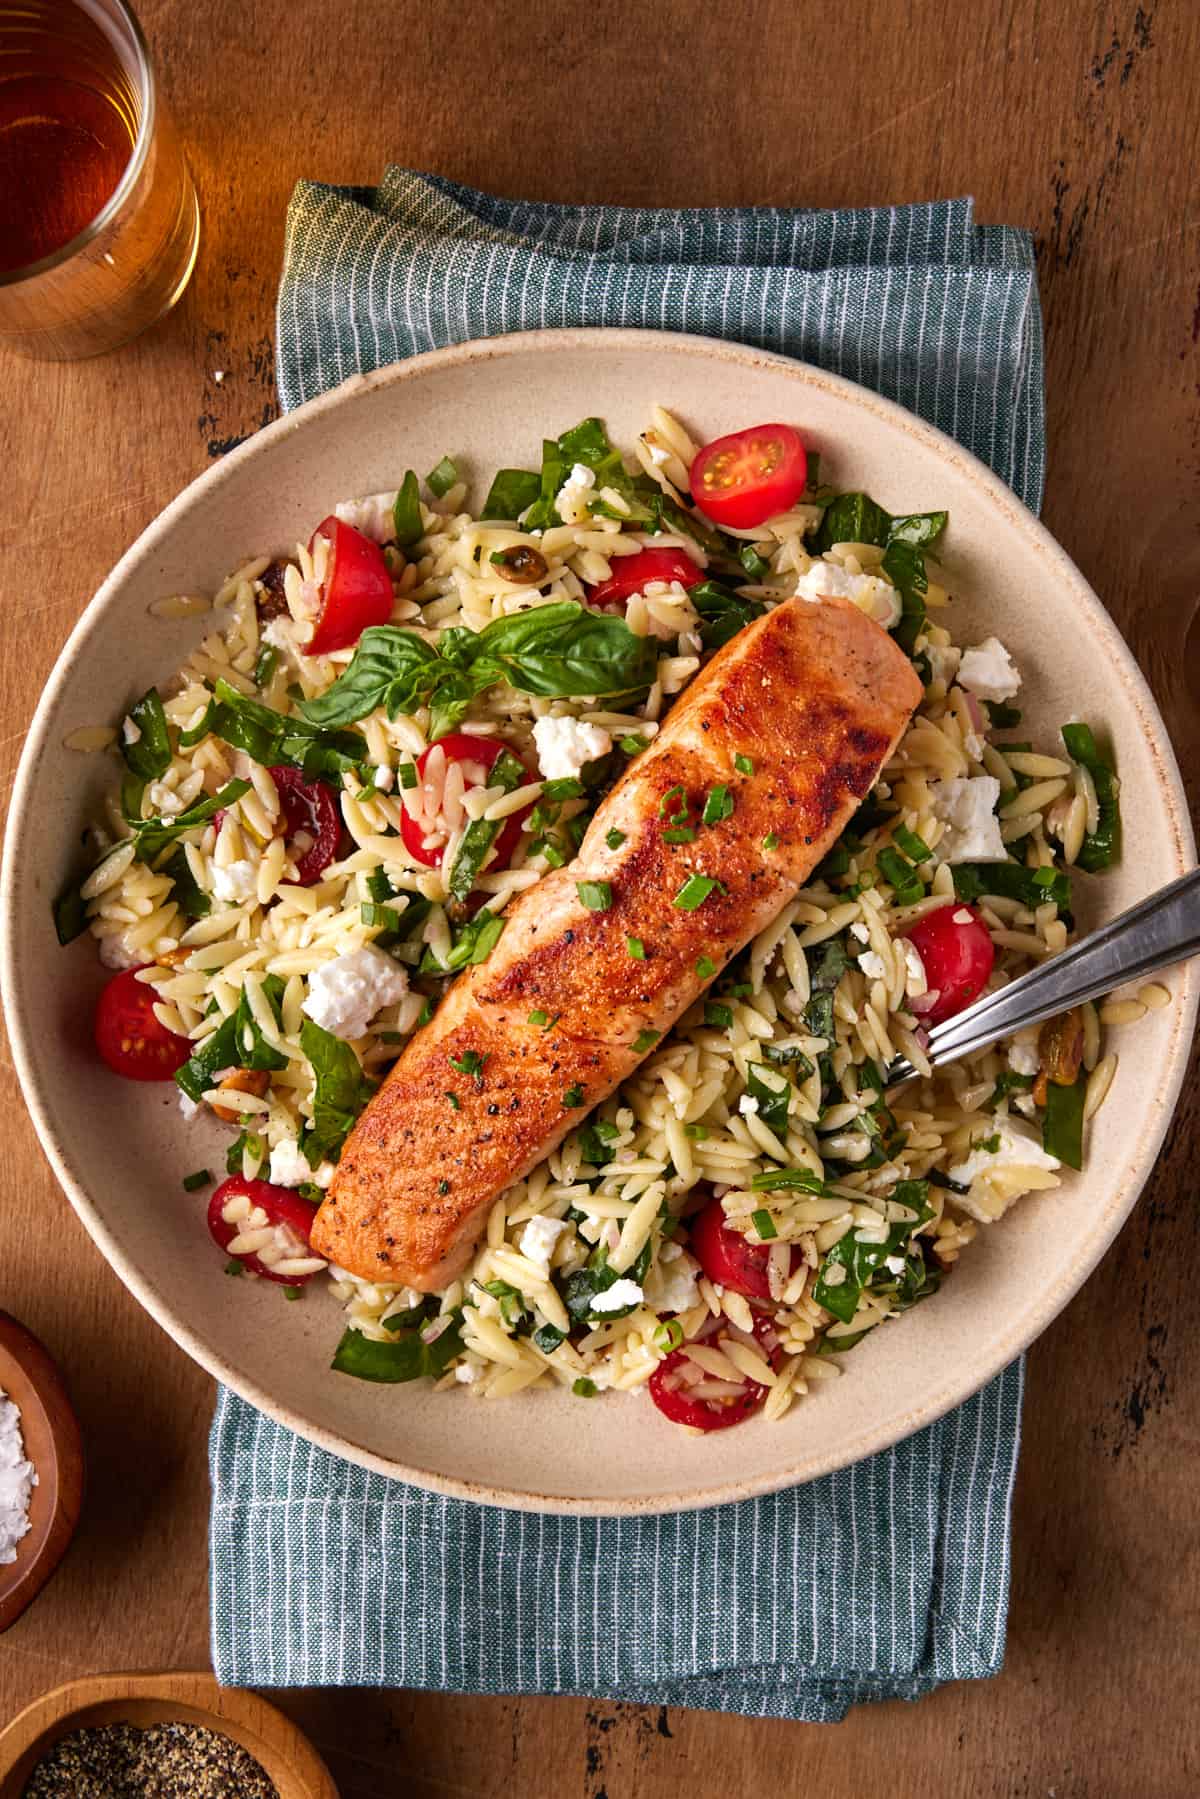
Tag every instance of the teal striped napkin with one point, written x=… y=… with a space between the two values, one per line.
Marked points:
x=874 y=1583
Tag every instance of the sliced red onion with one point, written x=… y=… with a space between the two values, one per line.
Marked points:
x=975 y=712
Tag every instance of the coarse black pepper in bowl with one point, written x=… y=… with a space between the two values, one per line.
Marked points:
x=121 y=1736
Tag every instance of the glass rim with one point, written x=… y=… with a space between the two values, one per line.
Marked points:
x=133 y=168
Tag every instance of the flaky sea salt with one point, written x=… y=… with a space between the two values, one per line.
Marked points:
x=18 y=1478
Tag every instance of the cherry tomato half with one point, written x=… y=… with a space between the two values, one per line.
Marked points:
x=308 y=807
x=726 y=1256
x=358 y=588
x=671 y=1384
x=282 y=1207
x=128 y=1035
x=958 y=954
x=477 y=754
x=632 y=574
x=749 y=476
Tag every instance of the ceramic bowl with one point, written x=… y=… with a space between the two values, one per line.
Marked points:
x=281 y=1750
x=50 y=1434
x=120 y=1149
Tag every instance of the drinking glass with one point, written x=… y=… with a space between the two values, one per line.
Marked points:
x=99 y=224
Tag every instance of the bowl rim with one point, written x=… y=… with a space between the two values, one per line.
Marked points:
x=578 y=340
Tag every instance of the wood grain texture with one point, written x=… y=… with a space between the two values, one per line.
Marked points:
x=1075 y=117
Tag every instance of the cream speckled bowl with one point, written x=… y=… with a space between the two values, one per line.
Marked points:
x=119 y=1149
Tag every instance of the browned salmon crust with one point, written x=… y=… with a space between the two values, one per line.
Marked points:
x=816 y=696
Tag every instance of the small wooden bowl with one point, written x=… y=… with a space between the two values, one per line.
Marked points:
x=283 y=1751
x=50 y=1431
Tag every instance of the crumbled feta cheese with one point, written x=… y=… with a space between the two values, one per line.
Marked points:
x=876 y=597
x=187 y=1106
x=673 y=1283
x=972 y=829
x=989 y=671
x=344 y=995
x=943 y=662
x=622 y=1293
x=384 y=778
x=466 y=1373
x=537 y=1241
x=571 y=501
x=858 y=929
x=164 y=801
x=1022 y=1058
x=747 y=1105
x=131 y=732
x=323 y=1177
x=113 y=954
x=290 y=1167
x=564 y=746
x=235 y=882
x=278 y=633
x=873 y=965
x=915 y=980
x=372 y=516
x=1024 y=1102
x=894 y=1264
x=1016 y=1148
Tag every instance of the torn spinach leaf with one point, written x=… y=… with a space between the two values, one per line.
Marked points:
x=404 y=1357
x=149 y=754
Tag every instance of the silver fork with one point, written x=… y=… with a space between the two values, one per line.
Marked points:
x=1157 y=932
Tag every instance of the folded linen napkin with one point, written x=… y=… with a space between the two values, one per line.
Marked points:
x=877 y=1582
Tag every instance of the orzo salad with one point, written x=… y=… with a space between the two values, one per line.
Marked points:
x=390 y=733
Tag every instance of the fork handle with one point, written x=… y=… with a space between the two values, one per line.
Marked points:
x=1154 y=934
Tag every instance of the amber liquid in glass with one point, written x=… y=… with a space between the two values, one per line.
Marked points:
x=68 y=122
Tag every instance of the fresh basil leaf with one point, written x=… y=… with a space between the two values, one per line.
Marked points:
x=69 y=912
x=782 y=1053
x=391 y=669
x=404 y=1357
x=253 y=1051
x=772 y=1091
x=547 y=1337
x=154 y=835
x=192 y=900
x=580 y=1289
x=722 y=613
x=150 y=754
x=1062 y=1128
x=593 y=1148
x=406 y=512
x=860 y=1260
x=904 y=563
x=342 y=1089
x=189 y=739
x=825 y=971
x=512 y=492
x=562 y=650
x=1101 y=847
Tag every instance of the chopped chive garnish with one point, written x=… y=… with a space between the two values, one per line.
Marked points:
x=426 y=1012
x=387 y=916
x=443 y=1187
x=764 y=1224
x=614 y=838
x=668 y=1335
x=706 y=968
x=906 y=884
x=539 y=1017
x=632 y=746
x=636 y=948
x=645 y=1041
x=572 y=1097
x=292 y=1292
x=741 y=989
x=455 y=1102
x=585 y=1388
x=697 y=1132
x=441 y=479
x=667 y=808
x=744 y=764
x=695 y=890
x=406 y=774
x=595 y=895
x=470 y=1064
x=717 y=805
x=771 y=841
x=914 y=847
x=233 y=1266
x=201 y=1178
x=718 y=1016
x=566 y=788
x=679 y=834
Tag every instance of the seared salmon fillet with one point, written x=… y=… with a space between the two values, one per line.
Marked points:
x=795 y=716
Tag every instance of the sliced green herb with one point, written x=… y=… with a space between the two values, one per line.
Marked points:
x=1012 y=880
x=538 y=1017
x=149 y=755
x=469 y=1063
x=744 y=764
x=614 y=838
x=1062 y=1127
x=193 y=1182
x=765 y=1225
x=914 y=847
x=717 y=1016
x=718 y=804
x=265 y=666
x=706 y=968
x=773 y=1091
x=770 y=841
x=595 y=895
x=907 y=885
x=442 y=478
x=1101 y=847
x=636 y=948
x=406 y=512
x=571 y=1098
x=695 y=890
x=585 y=1388
x=644 y=1041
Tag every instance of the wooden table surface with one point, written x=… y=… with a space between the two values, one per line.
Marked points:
x=1077 y=119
